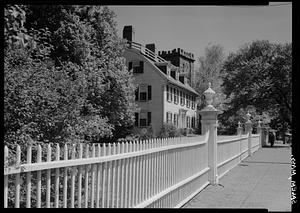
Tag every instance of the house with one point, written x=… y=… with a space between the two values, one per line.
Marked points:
x=164 y=94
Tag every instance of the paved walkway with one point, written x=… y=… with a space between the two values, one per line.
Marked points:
x=259 y=181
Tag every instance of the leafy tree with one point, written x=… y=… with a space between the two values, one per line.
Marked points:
x=259 y=74
x=86 y=35
x=68 y=82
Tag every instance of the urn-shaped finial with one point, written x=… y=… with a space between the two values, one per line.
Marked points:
x=209 y=95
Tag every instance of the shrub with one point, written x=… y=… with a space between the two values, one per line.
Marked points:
x=169 y=130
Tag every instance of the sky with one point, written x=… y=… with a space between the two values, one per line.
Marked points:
x=193 y=28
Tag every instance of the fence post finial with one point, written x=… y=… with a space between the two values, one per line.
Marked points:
x=239 y=128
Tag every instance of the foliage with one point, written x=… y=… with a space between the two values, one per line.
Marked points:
x=209 y=71
x=140 y=134
x=259 y=74
x=169 y=130
x=69 y=81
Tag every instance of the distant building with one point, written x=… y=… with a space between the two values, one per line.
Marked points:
x=164 y=94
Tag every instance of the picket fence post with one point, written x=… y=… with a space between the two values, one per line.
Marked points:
x=259 y=131
x=239 y=133
x=248 y=129
x=209 y=123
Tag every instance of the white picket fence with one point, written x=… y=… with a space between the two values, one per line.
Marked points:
x=151 y=173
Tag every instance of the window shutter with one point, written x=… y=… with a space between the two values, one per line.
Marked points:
x=149 y=92
x=130 y=65
x=137 y=94
x=141 y=66
x=136 y=122
x=149 y=118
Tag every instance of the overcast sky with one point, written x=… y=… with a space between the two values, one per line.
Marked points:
x=192 y=28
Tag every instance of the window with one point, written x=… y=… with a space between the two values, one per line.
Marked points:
x=181 y=98
x=137 y=66
x=143 y=119
x=171 y=93
x=149 y=118
x=188 y=121
x=149 y=92
x=137 y=94
x=143 y=93
x=175 y=119
x=187 y=101
x=192 y=102
x=168 y=93
x=169 y=117
x=193 y=122
x=176 y=96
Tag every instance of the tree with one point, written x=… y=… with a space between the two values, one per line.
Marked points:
x=69 y=82
x=209 y=71
x=259 y=74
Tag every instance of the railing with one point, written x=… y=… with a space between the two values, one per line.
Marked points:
x=145 y=51
x=151 y=173
x=230 y=152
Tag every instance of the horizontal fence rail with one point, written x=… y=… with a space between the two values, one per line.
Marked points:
x=151 y=173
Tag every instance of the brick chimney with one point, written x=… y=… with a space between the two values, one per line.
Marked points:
x=128 y=33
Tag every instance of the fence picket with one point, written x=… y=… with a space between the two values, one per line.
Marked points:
x=98 y=166
x=57 y=158
x=127 y=173
x=5 y=177
x=118 y=165
x=108 y=178
x=138 y=174
x=130 y=176
x=65 y=192
x=28 y=179
x=79 y=177
x=93 y=178
x=73 y=178
x=39 y=179
x=122 y=174
x=86 y=185
x=104 y=186
x=113 y=178
x=48 y=178
x=18 y=180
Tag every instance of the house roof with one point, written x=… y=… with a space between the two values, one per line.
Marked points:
x=169 y=79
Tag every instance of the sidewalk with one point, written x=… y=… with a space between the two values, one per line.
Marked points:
x=259 y=181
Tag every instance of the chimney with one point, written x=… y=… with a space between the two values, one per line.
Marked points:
x=151 y=47
x=128 y=33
